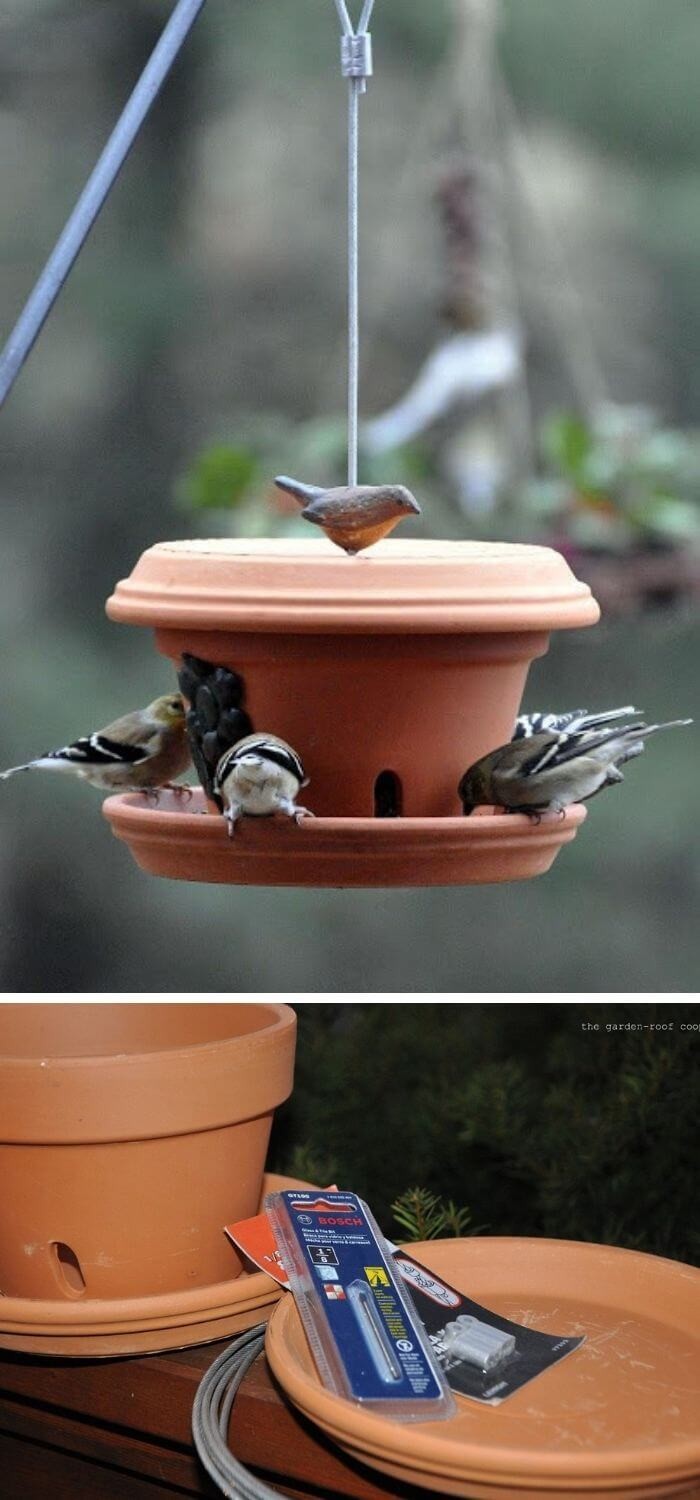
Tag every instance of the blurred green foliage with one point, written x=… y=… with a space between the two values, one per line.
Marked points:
x=621 y=481
x=543 y=1124
x=219 y=478
x=236 y=480
x=612 y=483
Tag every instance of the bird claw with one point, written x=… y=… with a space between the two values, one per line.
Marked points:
x=232 y=815
x=152 y=795
x=302 y=812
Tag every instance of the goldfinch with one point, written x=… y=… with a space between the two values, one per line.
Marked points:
x=576 y=720
x=259 y=776
x=142 y=751
x=550 y=770
x=352 y=516
x=216 y=718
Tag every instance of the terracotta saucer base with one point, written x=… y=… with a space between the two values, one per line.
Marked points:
x=100 y=1329
x=616 y=1419
x=178 y=839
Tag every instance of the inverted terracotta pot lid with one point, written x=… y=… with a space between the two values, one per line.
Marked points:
x=617 y=1417
x=100 y=1328
x=179 y=840
x=311 y=586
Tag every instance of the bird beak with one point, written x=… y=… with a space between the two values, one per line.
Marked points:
x=413 y=505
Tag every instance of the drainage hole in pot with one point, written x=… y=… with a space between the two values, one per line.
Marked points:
x=388 y=798
x=67 y=1268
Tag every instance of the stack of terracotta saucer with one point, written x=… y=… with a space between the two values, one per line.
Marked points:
x=619 y=1419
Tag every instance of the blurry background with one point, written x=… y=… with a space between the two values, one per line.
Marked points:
x=530 y=281
x=504 y=1119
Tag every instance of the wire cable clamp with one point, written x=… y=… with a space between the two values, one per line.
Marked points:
x=356 y=57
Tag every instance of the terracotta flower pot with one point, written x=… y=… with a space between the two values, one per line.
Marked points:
x=389 y=674
x=129 y=1136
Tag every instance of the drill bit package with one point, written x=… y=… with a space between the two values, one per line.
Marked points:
x=365 y=1336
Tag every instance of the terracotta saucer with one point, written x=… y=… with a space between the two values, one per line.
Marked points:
x=617 y=1418
x=179 y=840
x=95 y=1329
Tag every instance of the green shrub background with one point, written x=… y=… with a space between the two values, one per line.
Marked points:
x=539 y=1126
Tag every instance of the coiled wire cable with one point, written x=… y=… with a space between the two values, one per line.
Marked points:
x=211 y=1414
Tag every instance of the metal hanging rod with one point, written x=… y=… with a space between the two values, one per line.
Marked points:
x=94 y=194
x=356 y=66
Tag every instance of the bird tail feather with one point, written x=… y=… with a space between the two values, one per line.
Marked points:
x=303 y=492
x=14 y=769
x=597 y=721
x=648 y=729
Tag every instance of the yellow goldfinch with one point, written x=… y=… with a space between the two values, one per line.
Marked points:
x=259 y=776
x=142 y=751
x=549 y=771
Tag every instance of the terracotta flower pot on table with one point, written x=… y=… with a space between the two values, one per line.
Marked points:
x=129 y=1136
x=389 y=673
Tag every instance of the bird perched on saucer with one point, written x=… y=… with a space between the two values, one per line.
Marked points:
x=259 y=776
x=551 y=769
x=143 y=751
x=577 y=719
x=353 y=516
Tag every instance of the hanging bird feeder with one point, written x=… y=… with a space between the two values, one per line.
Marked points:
x=388 y=673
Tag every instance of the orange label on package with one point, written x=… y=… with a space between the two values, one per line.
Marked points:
x=257 y=1241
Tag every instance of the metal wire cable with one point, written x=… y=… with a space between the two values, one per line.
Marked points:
x=211 y=1414
x=356 y=65
x=99 y=184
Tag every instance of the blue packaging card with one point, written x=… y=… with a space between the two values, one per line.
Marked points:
x=361 y=1326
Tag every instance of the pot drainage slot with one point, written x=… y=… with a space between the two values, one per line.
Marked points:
x=388 y=797
x=67 y=1267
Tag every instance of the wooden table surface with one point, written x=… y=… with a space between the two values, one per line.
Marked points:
x=119 y=1429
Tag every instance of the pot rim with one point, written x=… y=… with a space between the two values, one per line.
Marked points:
x=310 y=587
x=123 y=1097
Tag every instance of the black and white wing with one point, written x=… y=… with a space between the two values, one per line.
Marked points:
x=556 y=750
x=93 y=752
x=577 y=720
x=278 y=752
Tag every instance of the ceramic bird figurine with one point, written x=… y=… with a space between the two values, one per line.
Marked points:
x=577 y=719
x=352 y=516
x=259 y=776
x=550 y=770
x=142 y=751
x=216 y=718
